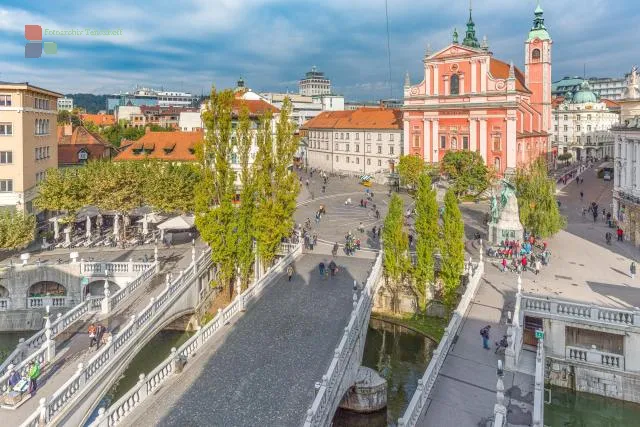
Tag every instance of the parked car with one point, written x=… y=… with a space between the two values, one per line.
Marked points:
x=606 y=176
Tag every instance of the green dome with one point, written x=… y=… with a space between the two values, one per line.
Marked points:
x=584 y=95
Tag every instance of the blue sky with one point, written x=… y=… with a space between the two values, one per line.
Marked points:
x=192 y=44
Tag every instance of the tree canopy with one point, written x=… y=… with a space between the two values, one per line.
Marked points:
x=16 y=229
x=452 y=249
x=468 y=172
x=396 y=243
x=536 y=191
x=410 y=168
x=427 y=238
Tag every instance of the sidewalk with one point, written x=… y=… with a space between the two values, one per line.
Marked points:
x=465 y=390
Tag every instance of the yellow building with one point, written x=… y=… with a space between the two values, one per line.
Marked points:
x=28 y=145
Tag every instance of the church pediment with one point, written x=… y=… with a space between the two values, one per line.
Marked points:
x=455 y=50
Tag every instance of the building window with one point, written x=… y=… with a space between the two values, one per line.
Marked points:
x=6 y=129
x=379 y=162
x=455 y=85
x=578 y=117
x=588 y=128
x=336 y=135
x=496 y=164
x=347 y=159
x=390 y=137
x=556 y=128
x=443 y=141
x=578 y=128
x=368 y=137
x=6 y=157
x=565 y=138
x=6 y=185
x=327 y=158
x=416 y=141
x=465 y=142
x=347 y=149
x=379 y=137
x=535 y=55
x=588 y=140
x=391 y=150
x=566 y=128
x=347 y=135
x=368 y=148
x=337 y=147
x=368 y=162
x=566 y=117
x=497 y=144
x=379 y=149
x=454 y=143
x=337 y=159
x=357 y=160
x=588 y=116
x=519 y=148
x=5 y=100
x=357 y=136
x=578 y=139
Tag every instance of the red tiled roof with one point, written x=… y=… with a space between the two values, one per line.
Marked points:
x=555 y=102
x=81 y=139
x=610 y=104
x=362 y=118
x=256 y=107
x=500 y=70
x=171 y=146
x=99 y=119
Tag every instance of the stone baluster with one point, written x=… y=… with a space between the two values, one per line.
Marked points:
x=155 y=257
x=49 y=343
x=168 y=279
x=130 y=266
x=42 y=408
x=79 y=374
x=142 y=390
x=106 y=303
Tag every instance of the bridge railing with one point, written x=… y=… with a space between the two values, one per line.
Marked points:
x=329 y=394
x=425 y=384
x=149 y=383
x=115 y=299
x=119 y=344
x=62 y=322
x=90 y=268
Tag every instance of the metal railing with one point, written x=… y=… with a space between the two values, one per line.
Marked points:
x=328 y=395
x=147 y=384
x=425 y=384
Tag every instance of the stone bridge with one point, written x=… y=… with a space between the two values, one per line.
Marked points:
x=73 y=401
x=282 y=344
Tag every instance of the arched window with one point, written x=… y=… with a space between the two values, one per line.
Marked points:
x=455 y=85
x=454 y=143
x=496 y=164
x=535 y=55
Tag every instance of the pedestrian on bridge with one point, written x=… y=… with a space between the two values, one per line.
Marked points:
x=100 y=330
x=632 y=270
x=92 y=334
x=484 y=333
x=290 y=271
x=34 y=373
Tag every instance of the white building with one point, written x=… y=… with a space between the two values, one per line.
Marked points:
x=314 y=83
x=190 y=121
x=364 y=141
x=305 y=107
x=626 y=176
x=582 y=123
x=124 y=112
x=65 y=104
x=607 y=87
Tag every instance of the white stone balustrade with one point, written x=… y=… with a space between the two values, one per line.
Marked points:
x=42 y=302
x=538 y=390
x=147 y=385
x=595 y=357
x=91 y=269
x=425 y=384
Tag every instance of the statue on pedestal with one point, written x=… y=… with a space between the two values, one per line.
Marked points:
x=505 y=217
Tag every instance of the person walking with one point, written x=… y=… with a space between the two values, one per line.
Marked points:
x=100 y=330
x=332 y=268
x=504 y=265
x=92 y=334
x=632 y=269
x=581 y=194
x=34 y=373
x=290 y=272
x=619 y=232
x=377 y=214
x=537 y=266
x=484 y=333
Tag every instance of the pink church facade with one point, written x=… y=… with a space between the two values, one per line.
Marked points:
x=469 y=100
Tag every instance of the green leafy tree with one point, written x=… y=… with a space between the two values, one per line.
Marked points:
x=170 y=187
x=410 y=168
x=276 y=187
x=565 y=157
x=537 y=203
x=216 y=219
x=64 y=190
x=16 y=229
x=452 y=249
x=396 y=245
x=468 y=172
x=246 y=210
x=64 y=117
x=427 y=238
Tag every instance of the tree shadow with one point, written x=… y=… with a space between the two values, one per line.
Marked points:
x=616 y=293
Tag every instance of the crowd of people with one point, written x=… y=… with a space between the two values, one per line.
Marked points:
x=520 y=256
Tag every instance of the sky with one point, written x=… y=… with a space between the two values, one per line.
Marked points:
x=193 y=44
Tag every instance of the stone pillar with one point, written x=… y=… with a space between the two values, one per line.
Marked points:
x=446 y=85
x=49 y=343
x=473 y=135
x=474 y=77
x=435 y=137
x=56 y=229
x=483 y=139
x=155 y=258
x=130 y=266
x=483 y=75
x=106 y=303
x=426 y=149
x=637 y=165
x=511 y=143
x=628 y=170
x=436 y=80
x=42 y=409
x=462 y=92
x=427 y=80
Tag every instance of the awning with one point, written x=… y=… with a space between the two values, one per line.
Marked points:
x=182 y=222
x=366 y=178
x=152 y=218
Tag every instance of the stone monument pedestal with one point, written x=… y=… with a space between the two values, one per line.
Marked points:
x=506 y=225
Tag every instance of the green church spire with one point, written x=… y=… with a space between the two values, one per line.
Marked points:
x=470 y=37
x=539 y=30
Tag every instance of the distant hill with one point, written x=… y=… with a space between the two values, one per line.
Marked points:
x=90 y=102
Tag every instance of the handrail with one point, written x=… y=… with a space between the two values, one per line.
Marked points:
x=426 y=383
x=321 y=407
x=149 y=383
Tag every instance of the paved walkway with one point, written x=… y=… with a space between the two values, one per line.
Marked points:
x=70 y=351
x=261 y=369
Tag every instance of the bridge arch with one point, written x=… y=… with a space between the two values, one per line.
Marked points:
x=96 y=288
x=46 y=288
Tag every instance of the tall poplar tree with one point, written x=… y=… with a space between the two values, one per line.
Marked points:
x=216 y=218
x=452 y=247
x=246 y=210
x=396 y=245
x=427 y=238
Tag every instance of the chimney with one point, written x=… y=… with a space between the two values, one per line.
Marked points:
x=147 y=129
x=68 y=129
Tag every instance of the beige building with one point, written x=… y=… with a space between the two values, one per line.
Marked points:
x=28 y=145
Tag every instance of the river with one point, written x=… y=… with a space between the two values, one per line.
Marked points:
x=9 y=341
x=402 y=356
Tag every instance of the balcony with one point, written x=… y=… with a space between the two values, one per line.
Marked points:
x=594 y=357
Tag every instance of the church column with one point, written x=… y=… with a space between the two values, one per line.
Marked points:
x=474 y=77
x=436 y=80
x=512 y=143
x=473 y=143
x=461 y=84
x=483 y=75
x=436 y=141
x=446 y=86
x=483 y=139
x=629 y=169
x=426 y=148
x=405 y=142
x=427 y=80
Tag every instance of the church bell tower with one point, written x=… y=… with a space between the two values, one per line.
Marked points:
x=537 y=66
